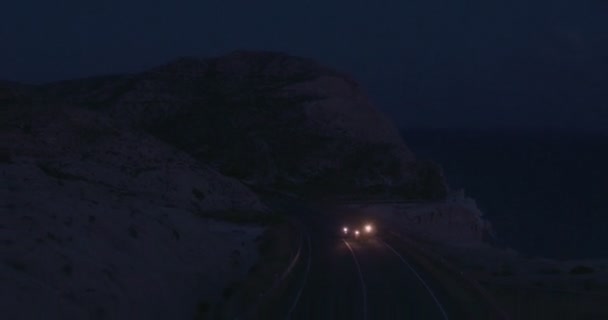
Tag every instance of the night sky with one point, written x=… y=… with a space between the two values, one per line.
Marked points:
x=427 y=63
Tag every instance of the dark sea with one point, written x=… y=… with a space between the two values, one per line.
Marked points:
x=546 y=193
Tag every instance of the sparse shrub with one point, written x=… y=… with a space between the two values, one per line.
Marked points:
x=581 y=270
x=108 y=274
x=198 y=194
x=67 y=269
x=549 y=270
x=100 y=312
x=68 y=221
x=228 y=292
x=264 y=247
x=428 y=182
x=175 y=234
x=590 y=285
x=133 y=232
x=57 y=174
x=17 y=265
x=91 y=135
x=254 y=268
x=506 y=270
x=26 y=128
x=52 y=236
x=5 y=157
x=202 y=308
x=235 y=256
x=69 y=295
x=478 y=268
x=243 y=217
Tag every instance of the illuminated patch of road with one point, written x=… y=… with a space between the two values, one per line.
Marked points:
x=364 y=290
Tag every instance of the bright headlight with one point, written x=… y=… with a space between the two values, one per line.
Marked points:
x=368 y=228
x=345 y=229
x=356 y=232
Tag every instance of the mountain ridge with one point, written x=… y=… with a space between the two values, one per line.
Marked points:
x=240 y=101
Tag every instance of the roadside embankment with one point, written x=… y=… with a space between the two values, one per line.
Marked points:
x=471 y=301
x=279 y=249
x=534 y=287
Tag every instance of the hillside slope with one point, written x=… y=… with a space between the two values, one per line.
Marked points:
x=101 y=221
x=116 y=192
x=266 y=118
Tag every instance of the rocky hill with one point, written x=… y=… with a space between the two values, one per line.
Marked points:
x=99 y=221
x=117 y=192
x=266 y=118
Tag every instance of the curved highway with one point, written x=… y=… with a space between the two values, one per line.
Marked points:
x=340 y=278
x=368 y=279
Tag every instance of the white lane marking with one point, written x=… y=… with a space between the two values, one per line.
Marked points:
x=445 y=316
x=360 y=278
x=297 y=299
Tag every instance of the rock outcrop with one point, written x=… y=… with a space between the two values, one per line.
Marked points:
x=100 y=221
x=114 y=190
x=455 y=222
x=268 y=119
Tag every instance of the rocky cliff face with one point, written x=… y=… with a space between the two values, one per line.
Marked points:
x=107 y=184
x=266 y=118
x=100 y=221
x=455 y=222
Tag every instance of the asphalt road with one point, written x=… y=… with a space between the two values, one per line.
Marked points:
x=350 y=279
